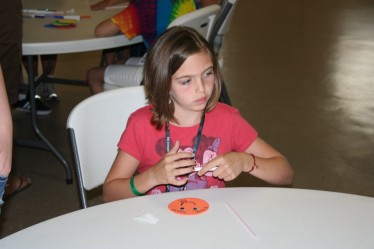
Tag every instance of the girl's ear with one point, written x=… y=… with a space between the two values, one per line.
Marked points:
x=170 y=98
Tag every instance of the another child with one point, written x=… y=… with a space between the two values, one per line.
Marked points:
x=141 y=17
x=185 y=139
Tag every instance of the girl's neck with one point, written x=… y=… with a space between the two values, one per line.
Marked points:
x=188 y=119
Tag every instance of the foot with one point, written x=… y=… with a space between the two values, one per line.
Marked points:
x=50 y=92
x=53 y=97
x=15 y=185
x=25 y=106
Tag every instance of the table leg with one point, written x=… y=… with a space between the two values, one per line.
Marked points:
x=43 y=142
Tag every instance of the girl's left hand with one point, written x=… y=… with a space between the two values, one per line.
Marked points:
x=229 y=166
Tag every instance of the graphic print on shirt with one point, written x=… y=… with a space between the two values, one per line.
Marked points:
x=207 y=150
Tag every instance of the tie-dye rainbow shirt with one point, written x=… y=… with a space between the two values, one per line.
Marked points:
x=150 y=18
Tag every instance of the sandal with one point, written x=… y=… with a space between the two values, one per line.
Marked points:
x=15 y=185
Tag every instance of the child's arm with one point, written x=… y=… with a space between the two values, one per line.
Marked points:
x=117 y=183
x=260 y=159
x=106 y=28
x=104 y=3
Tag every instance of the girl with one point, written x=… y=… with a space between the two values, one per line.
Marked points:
x=185 y=139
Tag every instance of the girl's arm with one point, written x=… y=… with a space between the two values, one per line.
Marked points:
x=260 y=159
x=271 y=165
x=117 y=183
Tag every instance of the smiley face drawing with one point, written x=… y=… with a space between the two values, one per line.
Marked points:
x=188 y=206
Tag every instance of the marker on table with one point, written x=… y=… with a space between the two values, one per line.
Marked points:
x=68 y=17
x=71 y=17
x=42 y=11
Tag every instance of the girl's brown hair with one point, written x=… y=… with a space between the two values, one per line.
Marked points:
x=164 y=58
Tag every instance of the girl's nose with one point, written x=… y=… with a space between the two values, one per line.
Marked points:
x=200 y=85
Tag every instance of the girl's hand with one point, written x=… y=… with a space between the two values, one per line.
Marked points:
x=174 y=167
x=229 y=166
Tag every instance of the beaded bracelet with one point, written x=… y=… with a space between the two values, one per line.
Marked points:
x=255 y=166
x=133 y=188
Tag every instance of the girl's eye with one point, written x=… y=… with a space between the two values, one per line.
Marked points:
x=185 y=82
x=208 y=74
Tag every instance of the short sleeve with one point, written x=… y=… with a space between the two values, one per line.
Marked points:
x=131 y=140
x=128 y=22
x=243 y=134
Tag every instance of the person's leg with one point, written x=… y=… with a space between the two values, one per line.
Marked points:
x=34 y=64
x=95 y=79
x=15 y=185
x=11 y=46
x=122 y=75
x=10 y=60
x=35 y=68
x=49 y=89
x=95 y=76
x=24 y=104
x=52 y=58
x=109 y=56
x=113 y=55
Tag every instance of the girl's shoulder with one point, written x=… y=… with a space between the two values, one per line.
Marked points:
x=144 y=112
x=224 y=109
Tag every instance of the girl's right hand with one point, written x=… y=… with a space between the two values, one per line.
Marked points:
x=174 y=168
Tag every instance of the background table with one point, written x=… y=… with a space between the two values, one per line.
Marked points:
x=39 y=40
x=280 y=218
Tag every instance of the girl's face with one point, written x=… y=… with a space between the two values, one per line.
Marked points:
x=192 y=84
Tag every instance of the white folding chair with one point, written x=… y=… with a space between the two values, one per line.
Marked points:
x=203 y=20
x=221 y=27
x=95 y=126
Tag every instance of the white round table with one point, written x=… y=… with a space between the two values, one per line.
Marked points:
x=274 y=218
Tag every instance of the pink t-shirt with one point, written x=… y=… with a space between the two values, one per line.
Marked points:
x=225 y=130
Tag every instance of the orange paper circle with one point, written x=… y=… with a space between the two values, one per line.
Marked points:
x=189 y=206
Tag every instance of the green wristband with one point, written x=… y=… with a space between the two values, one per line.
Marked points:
x=133 y=188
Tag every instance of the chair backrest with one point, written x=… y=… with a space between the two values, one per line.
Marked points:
x=95 y=126
x=202 y=20
x=221 y=27
x=229 y=7
x=223 y=23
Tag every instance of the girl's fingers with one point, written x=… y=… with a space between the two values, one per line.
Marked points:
x=175 y=148
x=174 y=155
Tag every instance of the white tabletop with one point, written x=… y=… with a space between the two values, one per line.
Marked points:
x=38 y=39
x=279 y=218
